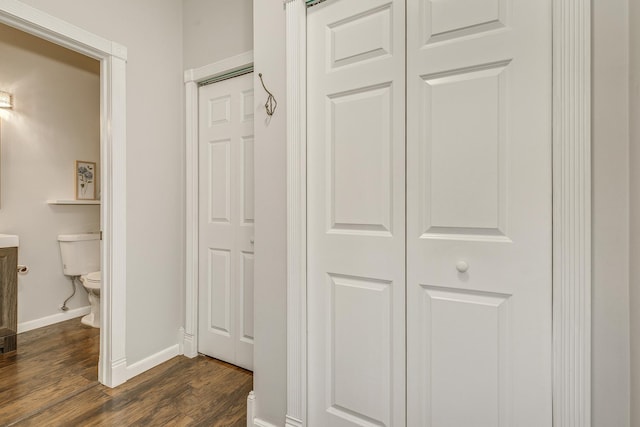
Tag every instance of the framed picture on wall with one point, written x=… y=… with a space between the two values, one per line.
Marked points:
x=85 y=180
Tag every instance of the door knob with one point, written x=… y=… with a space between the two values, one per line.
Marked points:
x=462 y=266
x=251 y=240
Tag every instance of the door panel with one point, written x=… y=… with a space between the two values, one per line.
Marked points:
x=219 y=292
x=226 y=185
x=247 y=185
x=356 y=174
x=464 y=137
x=219 y=156
x=479 y=213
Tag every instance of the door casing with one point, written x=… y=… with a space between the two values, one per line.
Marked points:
x=192 y=78
x=112 y=56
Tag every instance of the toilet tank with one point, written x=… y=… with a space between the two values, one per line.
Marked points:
x=80 y=253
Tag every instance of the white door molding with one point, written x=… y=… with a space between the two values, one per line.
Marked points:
x=296 y=34
x=192 y=78
x=112 y=57
x=571 y=213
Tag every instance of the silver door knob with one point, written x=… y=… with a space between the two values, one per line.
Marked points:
x=462 y=266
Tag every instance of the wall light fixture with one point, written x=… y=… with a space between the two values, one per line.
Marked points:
x=6 y=100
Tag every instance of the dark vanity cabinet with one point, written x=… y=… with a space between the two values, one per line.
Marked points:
x=8 y=299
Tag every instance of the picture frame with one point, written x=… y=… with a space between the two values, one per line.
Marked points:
x=85 y=179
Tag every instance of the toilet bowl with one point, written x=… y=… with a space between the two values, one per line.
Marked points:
x=80 y=256
x=92 y=283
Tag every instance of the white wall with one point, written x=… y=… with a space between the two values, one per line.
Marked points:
x=56 y=120
x=634 y=110
x=152 y=32
x=215 y=30
x=270 y=358
x=610 y=357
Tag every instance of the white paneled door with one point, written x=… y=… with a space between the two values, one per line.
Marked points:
x=226 y=221
x=463 y=270
x=479 y=213
x=356 y=197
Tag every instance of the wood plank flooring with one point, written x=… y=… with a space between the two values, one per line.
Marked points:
x=52 y=381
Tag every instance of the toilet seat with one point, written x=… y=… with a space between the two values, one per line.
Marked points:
x=92 y=281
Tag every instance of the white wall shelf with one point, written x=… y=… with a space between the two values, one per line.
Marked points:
x=73 y=202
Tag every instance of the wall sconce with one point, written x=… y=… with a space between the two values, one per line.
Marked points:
x=6 y=100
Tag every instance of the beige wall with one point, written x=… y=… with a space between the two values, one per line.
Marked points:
x=152 y=32
x=56 y=120
x=215 y=30
x=634 y=291
x=270 y=380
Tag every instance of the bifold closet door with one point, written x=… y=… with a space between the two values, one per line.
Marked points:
x=356 y=216
x=226 y=221
x=479 y=213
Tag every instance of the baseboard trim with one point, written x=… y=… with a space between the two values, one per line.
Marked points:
x=152 y=361
x=252 y=421
x=257 y=422
x=53 y=319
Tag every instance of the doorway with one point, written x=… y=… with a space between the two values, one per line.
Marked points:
x=112 y=57
x=52 y=128
x=194 y=79
x=226 y=220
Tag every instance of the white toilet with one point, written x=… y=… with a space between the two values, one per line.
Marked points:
x=81 y=259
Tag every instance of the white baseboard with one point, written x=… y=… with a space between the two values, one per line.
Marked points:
x=252 y=421
x=180 y=340
x=257 y=422
x=152 y=361
x=54 y=318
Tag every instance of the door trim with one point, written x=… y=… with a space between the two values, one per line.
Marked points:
x=112 y=56
x=192 y=78
x=571 y=213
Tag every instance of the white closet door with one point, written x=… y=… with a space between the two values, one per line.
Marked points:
x=225 y=329
x=356 y=174
x=479 y=213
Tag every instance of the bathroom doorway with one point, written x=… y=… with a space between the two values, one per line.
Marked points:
x=108 y=58
x=51 y=133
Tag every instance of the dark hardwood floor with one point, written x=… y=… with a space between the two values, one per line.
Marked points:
x=51 y=380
